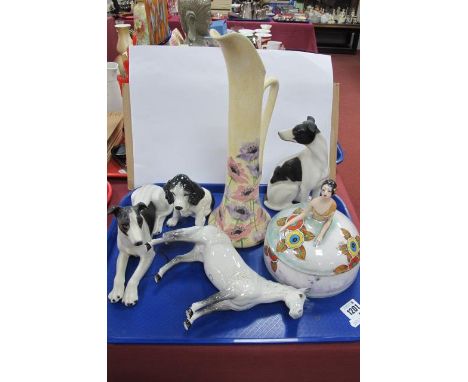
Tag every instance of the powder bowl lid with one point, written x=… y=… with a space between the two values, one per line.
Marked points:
x=338 y=252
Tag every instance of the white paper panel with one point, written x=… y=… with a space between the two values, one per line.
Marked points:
x=179 y=100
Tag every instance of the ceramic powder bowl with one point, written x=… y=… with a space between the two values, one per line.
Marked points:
x=293 y=259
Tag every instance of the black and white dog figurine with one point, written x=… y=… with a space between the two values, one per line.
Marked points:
x=136 y=226
x=295 y=178
x=189 y=199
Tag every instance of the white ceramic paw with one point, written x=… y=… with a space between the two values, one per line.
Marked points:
x=116 y=293
x=172 y=222
x=130 y=297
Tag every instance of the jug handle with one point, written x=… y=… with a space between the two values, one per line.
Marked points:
x=273 y=84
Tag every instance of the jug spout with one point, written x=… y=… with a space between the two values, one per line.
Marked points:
x=241 y=57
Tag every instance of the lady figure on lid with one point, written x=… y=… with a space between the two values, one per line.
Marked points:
x=321 y=208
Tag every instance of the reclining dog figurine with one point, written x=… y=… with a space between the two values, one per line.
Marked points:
x=297 y=176
x=189 y=199
x=136 y=226
x=240 y=288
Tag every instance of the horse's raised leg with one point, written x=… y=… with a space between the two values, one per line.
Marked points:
x=193 y=255
x=181 y=234
x=222 y=305
x=213 y=299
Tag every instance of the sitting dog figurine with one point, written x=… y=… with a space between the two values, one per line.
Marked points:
x=136 y=225
x=189 y=199
x=297 y=176
x=240 y=288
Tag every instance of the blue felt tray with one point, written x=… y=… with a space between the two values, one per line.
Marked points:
x=160 y=312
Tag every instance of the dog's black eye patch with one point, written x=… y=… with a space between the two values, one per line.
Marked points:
x=124 y=221
x=124 y=227
x=139 y=221
x=303 y=135
x=305 y=132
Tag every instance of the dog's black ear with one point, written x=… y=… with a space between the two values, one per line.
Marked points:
x=168 y=193
x=140 y=207
x=196 y=193
x=312 y=126
x=113 y=210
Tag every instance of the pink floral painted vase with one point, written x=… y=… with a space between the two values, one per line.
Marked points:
x=240 y=214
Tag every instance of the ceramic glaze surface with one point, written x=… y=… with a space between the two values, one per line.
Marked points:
x=137 y=224
x=141 y=25
x=293 y=258
x=114 y=98
x=123 y=42
x=298 y=175
x=240 y=287
x=189 y=199
x=240 y=214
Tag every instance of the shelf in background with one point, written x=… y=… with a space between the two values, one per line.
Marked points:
x=337 y=38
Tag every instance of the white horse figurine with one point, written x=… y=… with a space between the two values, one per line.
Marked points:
x=240 y=288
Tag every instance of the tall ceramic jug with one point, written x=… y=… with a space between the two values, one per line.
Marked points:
x=240 y=214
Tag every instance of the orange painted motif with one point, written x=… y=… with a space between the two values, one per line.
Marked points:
x=352 y=251
x=294 y=236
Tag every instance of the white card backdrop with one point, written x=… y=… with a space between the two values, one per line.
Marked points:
x=179 y=103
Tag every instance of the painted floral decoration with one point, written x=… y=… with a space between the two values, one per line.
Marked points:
x=254 y=170
x=240 y=214
x=236 y=172
x=352 y=251
x=245 y=193
x=273 y=258
x=294 y=236
x=238 y=231
x=249 y=151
